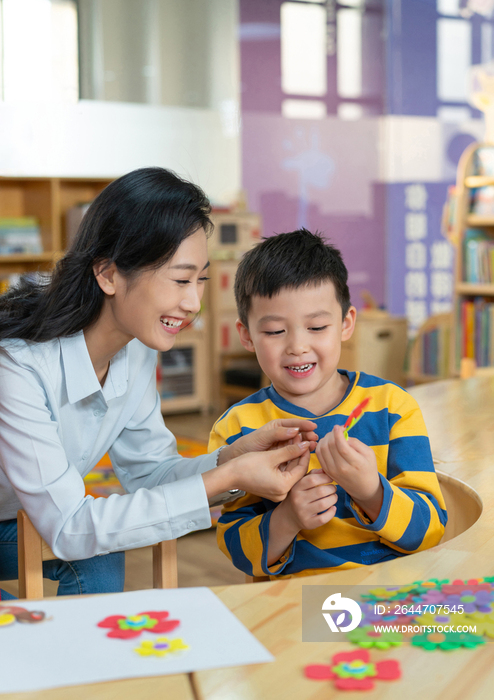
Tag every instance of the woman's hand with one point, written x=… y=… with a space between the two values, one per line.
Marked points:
x=275 y=434
x=270 y=474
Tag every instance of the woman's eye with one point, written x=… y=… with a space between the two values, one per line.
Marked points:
x=182 y=281
x=204 y=279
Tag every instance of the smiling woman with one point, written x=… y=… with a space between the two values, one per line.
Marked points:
x=78 y=376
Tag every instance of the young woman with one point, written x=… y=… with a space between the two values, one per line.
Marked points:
x=77 y=380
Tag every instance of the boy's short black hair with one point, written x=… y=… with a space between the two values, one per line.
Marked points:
x=289 y=261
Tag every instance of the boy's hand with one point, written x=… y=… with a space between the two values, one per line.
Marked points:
x=353 y=466
x=311 y=502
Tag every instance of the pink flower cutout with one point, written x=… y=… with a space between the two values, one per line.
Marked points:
x=123 y=627
x=354 y=671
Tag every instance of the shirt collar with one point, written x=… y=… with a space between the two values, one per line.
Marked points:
x=80 y=378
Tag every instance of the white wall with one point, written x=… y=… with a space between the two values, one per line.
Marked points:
x=106 y=139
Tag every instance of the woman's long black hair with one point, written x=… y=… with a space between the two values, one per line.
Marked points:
x=137 y=222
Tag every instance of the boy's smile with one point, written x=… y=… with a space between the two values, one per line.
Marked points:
x=296 y=335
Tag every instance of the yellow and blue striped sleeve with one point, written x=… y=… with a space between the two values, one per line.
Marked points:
x=413 y=514
x=243 y=528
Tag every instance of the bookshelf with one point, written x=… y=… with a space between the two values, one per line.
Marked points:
x=472 y=232
x=47 y=199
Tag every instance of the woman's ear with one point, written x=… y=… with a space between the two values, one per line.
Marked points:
x=244 y=334
x=349 y=323
x=105 y=276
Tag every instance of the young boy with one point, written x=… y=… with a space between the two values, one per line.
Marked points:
x=364 y=500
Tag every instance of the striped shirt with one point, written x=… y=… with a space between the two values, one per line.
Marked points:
x=413 y=513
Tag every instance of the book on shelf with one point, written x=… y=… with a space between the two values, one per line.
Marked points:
x=434 y=354
x=20 y=234
x=476 y=339
x=478 y=257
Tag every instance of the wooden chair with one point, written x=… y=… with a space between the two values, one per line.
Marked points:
x=33 y=551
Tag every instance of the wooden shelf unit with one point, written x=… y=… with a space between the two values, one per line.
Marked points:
x=234 y=234
x=466 y=180
x=47 y=199
x=186 y=388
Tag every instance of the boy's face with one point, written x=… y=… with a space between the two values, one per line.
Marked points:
x=297 y=336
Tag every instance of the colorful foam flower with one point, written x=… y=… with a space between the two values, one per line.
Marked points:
x=354 y=671
x=459 y=587
x=472 y=601
x=368 y=637
x=430 y=620
x=6 y=619
x=483 y=622
x=448 y=641
x=390 y=593
x=127 y=627
x=161 y=647
x=434 y=596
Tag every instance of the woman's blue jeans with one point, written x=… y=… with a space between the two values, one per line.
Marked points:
x=104 y=574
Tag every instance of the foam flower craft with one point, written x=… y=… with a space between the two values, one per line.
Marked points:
x=368 y=637
x=429 y=585
x=460 y=587
x=6 y=619
x=161 y=647
x=434 y=596
x=448 y=641
x=371 y=617
x=451 y=619
x=354 y=671
x=472 y=601
x=377 y=594
x=122 y=627
x=484 y=623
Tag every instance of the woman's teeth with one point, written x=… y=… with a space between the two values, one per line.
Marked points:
x=171 y=323
x=302 y=368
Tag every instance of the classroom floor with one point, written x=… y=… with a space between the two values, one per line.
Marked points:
x=200 y=562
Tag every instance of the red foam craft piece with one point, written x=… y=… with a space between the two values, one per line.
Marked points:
x=388 y=670
x=319 y=672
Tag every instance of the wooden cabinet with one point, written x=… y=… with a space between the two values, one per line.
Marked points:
x=378 y=346
x=183 y=373
x=233 y=369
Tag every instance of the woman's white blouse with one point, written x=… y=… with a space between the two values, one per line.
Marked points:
x=56 y=422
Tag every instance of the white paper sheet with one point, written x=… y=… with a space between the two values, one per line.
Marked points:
x=70 y=649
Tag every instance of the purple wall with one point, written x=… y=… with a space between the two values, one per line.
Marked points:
x=329 y=175
x=320 y=174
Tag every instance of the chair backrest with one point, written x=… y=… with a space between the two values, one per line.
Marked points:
x=33 y=551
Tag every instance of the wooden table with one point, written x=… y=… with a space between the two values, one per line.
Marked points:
x=460 y=419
